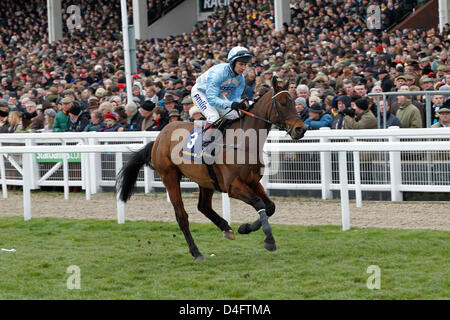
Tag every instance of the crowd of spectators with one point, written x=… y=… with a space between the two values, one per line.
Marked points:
x=327 y=58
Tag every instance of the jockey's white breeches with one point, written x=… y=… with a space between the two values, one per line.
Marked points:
x=210 y=112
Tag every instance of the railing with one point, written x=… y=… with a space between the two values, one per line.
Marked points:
x=341 y=159
x=428 y=103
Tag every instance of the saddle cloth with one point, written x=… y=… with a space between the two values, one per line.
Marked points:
x=192 y=148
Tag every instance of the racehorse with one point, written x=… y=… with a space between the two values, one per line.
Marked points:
x=240 y=180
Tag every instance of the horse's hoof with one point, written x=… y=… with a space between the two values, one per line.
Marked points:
x=200 y=258
x=270 y=245
x=229 y=234
x=244 y=228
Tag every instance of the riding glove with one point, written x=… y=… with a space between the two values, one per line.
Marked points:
x=237 y=105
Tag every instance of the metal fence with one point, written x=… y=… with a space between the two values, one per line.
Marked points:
x=425 y=95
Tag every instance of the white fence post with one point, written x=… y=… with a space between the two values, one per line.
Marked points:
x=3 y=174
x=34 y=166
x=27 y=181
x=343 y=181
x=66 y=173
x=325 y=172
x=226 y=207
x=85 y=173
x=395 y=168
x=94 y=167
x=120 y=204
x=148 y=174
x=357 y=172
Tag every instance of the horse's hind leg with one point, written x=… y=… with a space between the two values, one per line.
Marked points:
x=205 y=207
x=240 y=190
x=172 y=182
x=246 y=228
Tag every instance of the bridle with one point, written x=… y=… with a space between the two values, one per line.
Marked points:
x=278 y=124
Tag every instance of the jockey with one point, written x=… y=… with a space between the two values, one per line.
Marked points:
x=217 y=92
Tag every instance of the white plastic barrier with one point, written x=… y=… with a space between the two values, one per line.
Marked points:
x=342 y=148
x=27 y=175
x=418 y=171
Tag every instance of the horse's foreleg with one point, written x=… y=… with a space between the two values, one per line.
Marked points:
x=205 y=207
x=172 y=183
x=246 y=228
x=270 y=206
x=240 y=190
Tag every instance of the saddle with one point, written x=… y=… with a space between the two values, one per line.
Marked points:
x=193 y=149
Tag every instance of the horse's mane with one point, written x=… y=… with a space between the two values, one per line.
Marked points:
x=256 y=101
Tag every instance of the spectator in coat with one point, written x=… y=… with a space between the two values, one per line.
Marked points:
x=318 y=118
x=4 y=112
x=122 y=116
x=391 y=119
x=444 y=118
x=302 y=109
x=15 y=122
x=29 y=115
x=110 y=124
x=49 y=119
x=408 y=114
x=160 y=119
x=174 y=115
x=146 y=111
x=362 y=118
x=438 y=102
x=62 y=118
x=137 y=94
x=343 y=106
x=79 y=119
x=196 y=114
x=134 y=119
x=386 y=82
x=187 y=104
x=37 y=122
x=170 y=103
x=150 y=94
x=95 y=122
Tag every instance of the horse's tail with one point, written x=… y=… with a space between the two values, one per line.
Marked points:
x=126 y=179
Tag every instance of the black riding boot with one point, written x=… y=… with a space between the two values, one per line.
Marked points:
x=208 y=144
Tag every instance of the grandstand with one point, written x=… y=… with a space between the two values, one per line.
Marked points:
x=340 y=36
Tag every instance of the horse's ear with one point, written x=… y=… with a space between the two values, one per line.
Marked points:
x=275 y=86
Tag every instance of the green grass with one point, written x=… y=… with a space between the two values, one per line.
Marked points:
x=150 y=260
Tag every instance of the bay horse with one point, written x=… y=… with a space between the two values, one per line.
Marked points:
x=240 y=180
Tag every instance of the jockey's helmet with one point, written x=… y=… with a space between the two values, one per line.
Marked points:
x=240 y=54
